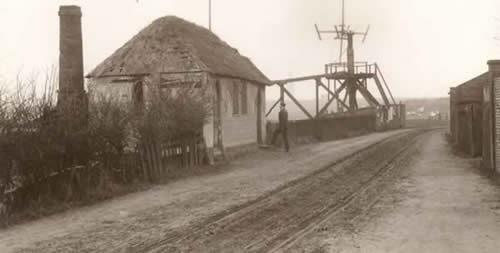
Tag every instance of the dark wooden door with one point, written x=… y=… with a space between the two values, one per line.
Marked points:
x=219 y=144
x=259 y=115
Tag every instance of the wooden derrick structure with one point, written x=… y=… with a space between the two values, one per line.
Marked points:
x=344 y=92
x=349 y=78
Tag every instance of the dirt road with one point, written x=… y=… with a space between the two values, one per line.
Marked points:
x=401 y=191
x=276 y=220
x=439 y=202
x=144 y=217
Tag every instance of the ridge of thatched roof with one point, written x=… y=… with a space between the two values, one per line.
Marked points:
x=173 y=45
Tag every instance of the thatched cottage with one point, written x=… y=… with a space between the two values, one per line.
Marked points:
x=172 y=52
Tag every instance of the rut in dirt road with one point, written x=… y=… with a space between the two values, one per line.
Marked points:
x=272 y=220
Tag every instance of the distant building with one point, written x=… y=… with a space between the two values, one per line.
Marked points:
x=172 y=52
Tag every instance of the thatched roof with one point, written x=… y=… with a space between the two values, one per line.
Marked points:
x=173 y=45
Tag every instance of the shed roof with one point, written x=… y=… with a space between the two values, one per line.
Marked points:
x=477 y=81
x=173 y=45
x=472 y=90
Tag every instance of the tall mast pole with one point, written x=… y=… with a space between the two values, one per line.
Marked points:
x=343 y=14
x=350 y=76
x=210 y=15
x=342 y=32
x=341 y=47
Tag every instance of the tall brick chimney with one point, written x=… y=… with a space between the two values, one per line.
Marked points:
x=71 y=91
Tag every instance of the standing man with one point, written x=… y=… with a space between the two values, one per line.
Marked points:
x=282 y=127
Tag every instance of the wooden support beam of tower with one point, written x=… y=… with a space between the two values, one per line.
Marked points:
x=381 y=90
x=305 y=78
x=377 y=70
x=272 y=107
x=366 y=94
x=345 y=98
x=335 y=96
x=282 y=92
x=335 y=93
x=296 y=102
x=317 y=98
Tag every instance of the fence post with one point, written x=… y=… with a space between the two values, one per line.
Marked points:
x=142 y=155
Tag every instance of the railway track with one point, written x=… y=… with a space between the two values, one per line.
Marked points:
x=273 y=222
x=335 y=209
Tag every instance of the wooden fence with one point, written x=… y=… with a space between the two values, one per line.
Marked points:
x=150 y=162
x=157 y=159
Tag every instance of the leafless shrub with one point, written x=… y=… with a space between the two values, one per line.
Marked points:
x=109 y=127
x=169 y=116
x=36 y=144
x=51 y=155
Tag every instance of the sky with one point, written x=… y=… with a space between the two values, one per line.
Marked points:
x=423 y=47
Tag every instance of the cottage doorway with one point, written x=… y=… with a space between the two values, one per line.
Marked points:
x=218 y=143
x=138 y=95
x=259 y=116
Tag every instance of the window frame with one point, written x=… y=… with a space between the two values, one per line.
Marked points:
x=236 y=98
x=244 y=98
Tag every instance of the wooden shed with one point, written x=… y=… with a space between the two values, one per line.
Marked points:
x=491 y=118
x=466 y=114
x=172 y=52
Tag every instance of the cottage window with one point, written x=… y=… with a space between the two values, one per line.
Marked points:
x=138 y=95
x=244 y=99
x=240 y=98
x=236 y=98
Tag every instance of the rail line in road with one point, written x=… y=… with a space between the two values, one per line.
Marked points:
x=173 y=236
x=333 y=210
x=273 y=222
